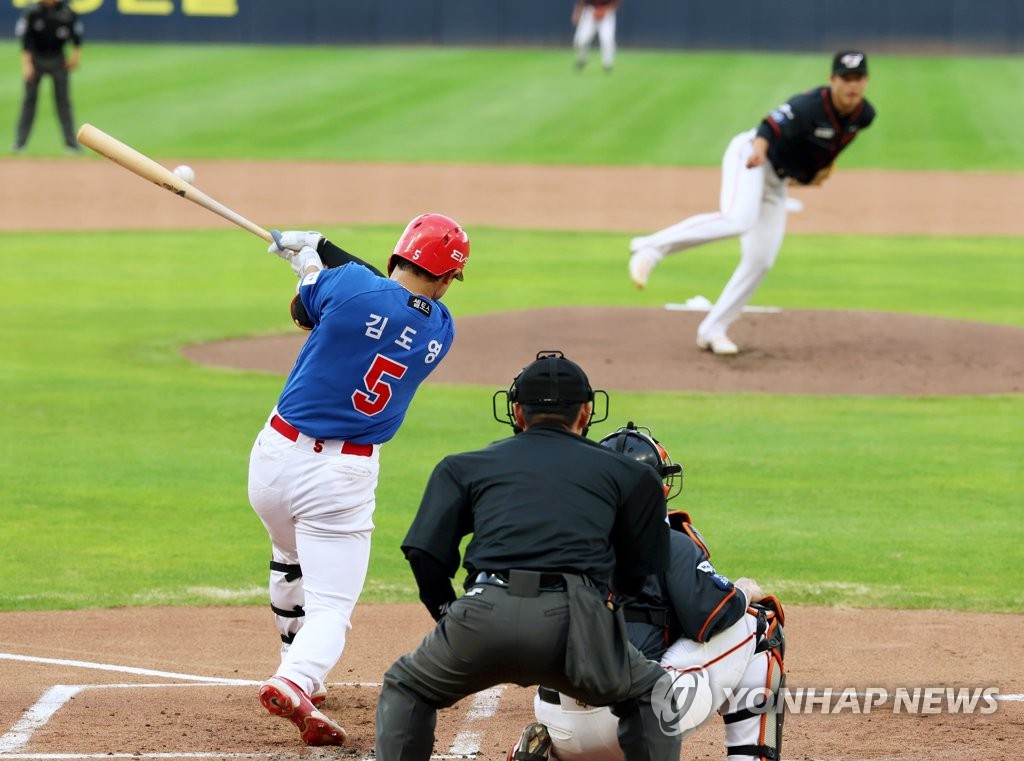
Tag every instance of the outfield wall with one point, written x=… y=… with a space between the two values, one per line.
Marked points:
x=799 y=25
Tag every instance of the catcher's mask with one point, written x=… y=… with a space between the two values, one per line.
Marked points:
x=434 y=242
x=639 y=444
x=550 y=381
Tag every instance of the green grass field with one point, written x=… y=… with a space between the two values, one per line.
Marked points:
x=512 y=106
x=124 y=466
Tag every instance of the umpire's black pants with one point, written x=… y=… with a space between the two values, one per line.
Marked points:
x=55 y=68
x=490 y=637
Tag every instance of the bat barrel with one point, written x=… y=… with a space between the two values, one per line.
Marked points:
x=145 y=167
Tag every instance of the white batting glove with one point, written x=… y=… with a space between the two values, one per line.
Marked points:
x=292 y=241
x=307 y=257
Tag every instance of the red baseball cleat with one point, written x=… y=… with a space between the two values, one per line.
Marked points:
x=283 y=698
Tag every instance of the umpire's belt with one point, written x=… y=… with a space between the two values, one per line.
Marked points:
x=522 y=583
x=325 y=446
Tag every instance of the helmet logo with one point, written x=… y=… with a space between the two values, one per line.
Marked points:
x=458 y=256
x=416 y=254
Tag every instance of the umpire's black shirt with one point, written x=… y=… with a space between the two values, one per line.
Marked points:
x=544 y=500
x=46 y=29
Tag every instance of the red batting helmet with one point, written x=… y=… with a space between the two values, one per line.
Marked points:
x=434 y=242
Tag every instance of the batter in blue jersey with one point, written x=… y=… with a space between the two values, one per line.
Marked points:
x=313 y=469
x=392 y=339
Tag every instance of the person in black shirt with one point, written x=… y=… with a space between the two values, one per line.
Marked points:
x=550 y=513
x=691 y=618
x=797 y=142
x=45 y=28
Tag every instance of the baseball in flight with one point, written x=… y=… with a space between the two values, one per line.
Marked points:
x=184 y=171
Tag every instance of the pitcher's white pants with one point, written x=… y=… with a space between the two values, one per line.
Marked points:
x=587 y=733
x=753 y=208
x=587 y=27
x=317 y=508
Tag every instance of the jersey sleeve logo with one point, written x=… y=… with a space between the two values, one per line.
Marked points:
x=421 y=304
x=782 y=114
x=720 y=581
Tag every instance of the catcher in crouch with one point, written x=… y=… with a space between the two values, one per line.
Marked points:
x=691 y=619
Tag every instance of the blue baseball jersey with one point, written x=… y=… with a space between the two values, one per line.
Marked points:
x=372 y=344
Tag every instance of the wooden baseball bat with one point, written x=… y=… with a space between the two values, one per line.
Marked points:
x=145 y=167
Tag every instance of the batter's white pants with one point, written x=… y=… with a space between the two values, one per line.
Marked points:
x=317 y=508
x=587 y=27
x=586 y=733
x=753 y=207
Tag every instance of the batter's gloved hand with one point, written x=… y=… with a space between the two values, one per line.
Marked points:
x=293 y=241
x=305 y=258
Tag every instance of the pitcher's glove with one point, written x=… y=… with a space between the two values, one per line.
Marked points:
x=821 y=175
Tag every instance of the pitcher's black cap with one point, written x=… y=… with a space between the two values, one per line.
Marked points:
x=850 y=62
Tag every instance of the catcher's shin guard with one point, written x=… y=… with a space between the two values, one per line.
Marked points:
x=753 y=724
x=286 y=599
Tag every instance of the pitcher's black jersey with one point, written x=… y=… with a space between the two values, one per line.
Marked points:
x=806 y=133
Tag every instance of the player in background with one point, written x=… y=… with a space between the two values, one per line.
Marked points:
x=44 y=29
x=595 y=17
x=313 y=469
x=796 y=143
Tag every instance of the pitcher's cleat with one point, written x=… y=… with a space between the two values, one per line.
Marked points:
x=641 y=263
x=718 y=345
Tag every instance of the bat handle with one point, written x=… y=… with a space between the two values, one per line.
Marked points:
x=276 y=235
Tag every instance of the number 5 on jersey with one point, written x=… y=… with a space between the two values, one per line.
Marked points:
x=378 y=390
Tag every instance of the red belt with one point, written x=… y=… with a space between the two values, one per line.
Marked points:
x=282 y=426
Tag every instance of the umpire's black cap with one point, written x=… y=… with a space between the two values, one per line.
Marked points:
x=850 y=62
x=551 y=380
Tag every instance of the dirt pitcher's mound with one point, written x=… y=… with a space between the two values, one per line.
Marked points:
x=788 y=352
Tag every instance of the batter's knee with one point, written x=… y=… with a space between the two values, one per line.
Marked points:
x=286 y=599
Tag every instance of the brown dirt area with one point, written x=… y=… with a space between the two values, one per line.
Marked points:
x=175 y=652
x=826 y=648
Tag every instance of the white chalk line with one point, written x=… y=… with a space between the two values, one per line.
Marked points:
x=485 y=705
x=124 y=669
x=36 y=716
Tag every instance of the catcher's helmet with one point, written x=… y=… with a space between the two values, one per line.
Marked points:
x=434 y=242
x=641 y=446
